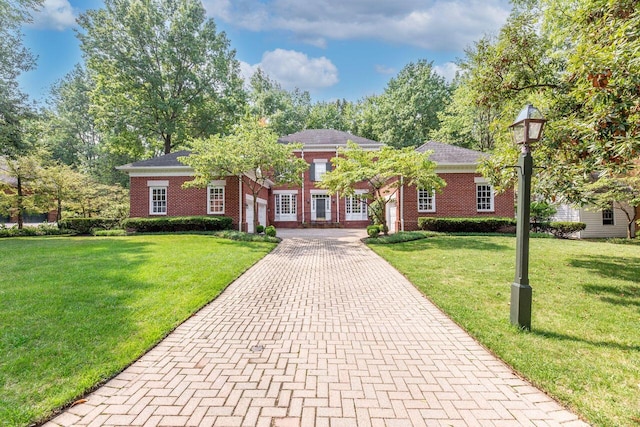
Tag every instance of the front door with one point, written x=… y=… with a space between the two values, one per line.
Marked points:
x=320 y=207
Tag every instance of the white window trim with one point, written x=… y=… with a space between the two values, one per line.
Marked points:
x=166 y=200
x=293 y=216
x=433 y=201
x=356 y=216
x=492 y=196
x=209 y=204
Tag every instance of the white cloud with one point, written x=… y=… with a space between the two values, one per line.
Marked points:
x=381 y=69
x=55 y=15
x=294 y=69
x=447 y=70
x=448 y=25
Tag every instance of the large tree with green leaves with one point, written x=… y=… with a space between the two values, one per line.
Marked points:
x=21 y=186
x=14 y=60
x=407 y=111
x=286 y=111
x=252 y=153
x=576 y=61
x=162 y=74
x=383 y=172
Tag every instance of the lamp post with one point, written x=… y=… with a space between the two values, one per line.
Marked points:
x=526 y=129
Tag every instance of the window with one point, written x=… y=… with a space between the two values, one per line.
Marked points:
x=356 y=208
x=426 y=200
x=484 y=198
x=607 y=216
x=320 y=169
x=215 y=201
x=158 y=200
x=286 y=207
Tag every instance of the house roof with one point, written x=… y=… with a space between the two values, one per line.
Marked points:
x=168 y=160
x=327 y=138
x=447 y=154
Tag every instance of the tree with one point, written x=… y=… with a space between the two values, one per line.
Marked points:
x=407 y=111
x=252 y=153
x=21 y=186
x=578 y=64
x=286 y=111
x=383 y=171
x=162 y=74
x=61 y=184
x=72 y=134
x=14 y=60
x=465 y=122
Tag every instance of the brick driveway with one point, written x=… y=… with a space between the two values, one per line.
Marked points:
x=321 y=332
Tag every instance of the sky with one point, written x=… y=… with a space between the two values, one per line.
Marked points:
x=335 y=49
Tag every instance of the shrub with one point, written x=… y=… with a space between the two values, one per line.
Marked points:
x=270 y=231
x=466 y=225
x=563 y=230
x=373 y=230
x=260 y=229
x=114 y=232
x=178 y=223
x=86 y=225
x=40 y=230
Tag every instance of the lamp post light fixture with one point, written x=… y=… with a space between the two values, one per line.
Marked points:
x=526 y=129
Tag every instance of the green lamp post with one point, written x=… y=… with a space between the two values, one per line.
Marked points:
x=526 y=129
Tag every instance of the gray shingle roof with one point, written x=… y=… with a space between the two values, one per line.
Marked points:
x=168 y=160
x=330 y=137
x=450 y=154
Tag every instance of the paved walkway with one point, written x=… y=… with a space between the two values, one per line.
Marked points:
x=321 y=332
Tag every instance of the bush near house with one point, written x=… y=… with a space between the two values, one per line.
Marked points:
x=466 y=225
x=87 y=225
x=563 y=230
x=179 y=223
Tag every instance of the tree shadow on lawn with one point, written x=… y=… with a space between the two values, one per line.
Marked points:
x=565 y=337
x=611 y=267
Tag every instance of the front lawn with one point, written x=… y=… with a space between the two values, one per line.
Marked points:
x=584 y=347
x=76 y=311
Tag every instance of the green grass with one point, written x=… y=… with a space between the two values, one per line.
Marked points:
x=584 y=346
x=76 y=311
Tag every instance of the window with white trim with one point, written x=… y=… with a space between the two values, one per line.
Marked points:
x=215 y=199
x=356 y=207
x=286 y=207
x=426 y=200
x=607 y=216
x=157 y=200
x=484 y=198
x=319 y=170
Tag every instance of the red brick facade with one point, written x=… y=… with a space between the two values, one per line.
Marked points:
x=188 y=201
x=457 y=199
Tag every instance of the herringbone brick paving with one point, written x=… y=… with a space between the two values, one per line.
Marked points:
x=321 y=332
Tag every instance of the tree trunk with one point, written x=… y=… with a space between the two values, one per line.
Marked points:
x=20 y=204
x=167 y=144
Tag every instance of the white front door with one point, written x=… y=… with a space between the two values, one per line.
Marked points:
x=262 y=212
x=249 y=214
x=392 y=216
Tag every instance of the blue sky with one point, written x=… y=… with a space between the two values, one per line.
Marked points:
x=332 y=48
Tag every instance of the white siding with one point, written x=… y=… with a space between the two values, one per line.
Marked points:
x=593 y=219
x=595 y=229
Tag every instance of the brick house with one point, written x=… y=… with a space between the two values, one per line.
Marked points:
x=156 y=190
x=467 y=193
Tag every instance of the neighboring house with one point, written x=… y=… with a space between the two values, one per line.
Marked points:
x=467 y=193
x=600 y=223
x=156 y=190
